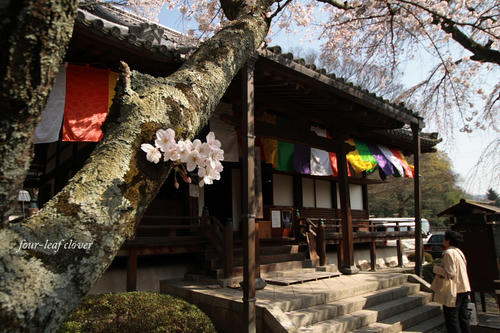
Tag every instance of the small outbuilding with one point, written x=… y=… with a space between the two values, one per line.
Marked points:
x=480 y=225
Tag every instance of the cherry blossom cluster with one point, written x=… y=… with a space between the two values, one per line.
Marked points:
x=187 y=156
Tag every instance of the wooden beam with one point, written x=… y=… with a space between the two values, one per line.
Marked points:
x=248 y=196
x=347 y=266
x=132 y=269
x=321 y=244
x=228 y=249
x=417 y=193
x=340 y=254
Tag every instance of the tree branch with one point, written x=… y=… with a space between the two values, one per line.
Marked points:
x=481 y=53
x=340 y=5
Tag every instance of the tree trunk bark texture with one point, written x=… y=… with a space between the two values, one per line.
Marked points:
x=35 y=35
x=103 y=202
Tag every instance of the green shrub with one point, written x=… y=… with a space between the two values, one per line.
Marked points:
x=427 y=273
x=136 y=312
x=427 y=257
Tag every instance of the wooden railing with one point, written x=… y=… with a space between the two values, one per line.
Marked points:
x=320 y=231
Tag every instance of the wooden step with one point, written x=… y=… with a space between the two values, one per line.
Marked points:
x=266 y=250
x=273 y=258
x=264 y=268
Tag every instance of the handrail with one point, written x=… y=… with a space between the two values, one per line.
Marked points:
x=170 y=226
x=160 y=217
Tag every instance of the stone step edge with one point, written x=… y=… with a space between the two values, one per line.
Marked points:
x=375 y=313
x=404 y=320
x=369 y=300
x=426 y=326
x=339 y=294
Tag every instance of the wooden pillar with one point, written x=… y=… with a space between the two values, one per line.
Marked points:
x=228 y=248
x=132 y=269
x=248 y=196
x=321 y=244
x=373 y=255
x=257 y=251
x=415 y=128
x=340 y=254
x=347 y=266
x=400 y=253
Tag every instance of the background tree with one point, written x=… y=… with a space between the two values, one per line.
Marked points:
x=439 y=191
x=492 y=195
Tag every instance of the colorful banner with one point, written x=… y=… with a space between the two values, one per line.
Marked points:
x=360 y=163
x=302 y=159
x=270 y=147
x=399 y=171
x=384 y=164
x=408 y=170
x=285 y=161
x=87 y=103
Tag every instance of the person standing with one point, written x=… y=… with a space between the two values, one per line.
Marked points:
x=453 y=273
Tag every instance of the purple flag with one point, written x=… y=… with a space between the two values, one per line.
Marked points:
x=383 y=163
x=301 y=159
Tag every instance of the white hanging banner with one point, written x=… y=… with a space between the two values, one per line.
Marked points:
x=49 y=127
x=320 y=159
x=225 y=133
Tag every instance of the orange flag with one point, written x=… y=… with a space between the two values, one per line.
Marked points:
x=87 y=103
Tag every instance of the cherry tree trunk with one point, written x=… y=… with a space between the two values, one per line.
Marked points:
x=103 y=202
x=34 y=37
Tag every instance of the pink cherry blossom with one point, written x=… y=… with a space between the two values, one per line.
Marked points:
x=152 y=153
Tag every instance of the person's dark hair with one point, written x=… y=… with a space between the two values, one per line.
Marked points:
x=455 y=238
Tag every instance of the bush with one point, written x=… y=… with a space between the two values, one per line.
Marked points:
x=427 y=273
x=427 y=257
x=136 y=312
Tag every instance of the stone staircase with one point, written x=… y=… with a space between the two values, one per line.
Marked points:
x=385 y=306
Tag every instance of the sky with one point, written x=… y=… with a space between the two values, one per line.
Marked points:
x=463 y=149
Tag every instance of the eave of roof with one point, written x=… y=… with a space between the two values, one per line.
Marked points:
x=348 y=90
x=134 y=31
x=465 y=204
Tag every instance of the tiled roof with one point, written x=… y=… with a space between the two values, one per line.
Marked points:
x=126 y=27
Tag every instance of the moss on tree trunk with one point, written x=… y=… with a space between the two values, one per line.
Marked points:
x=33 y=43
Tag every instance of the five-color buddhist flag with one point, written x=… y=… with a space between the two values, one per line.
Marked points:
x=399 y=171
x=302 y=159
x=408 y=171
x=384 y=164
x=270 y=147
x=284 y=160
x=360 y=161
